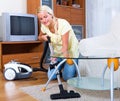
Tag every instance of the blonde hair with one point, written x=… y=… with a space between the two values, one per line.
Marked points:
x=46 y=9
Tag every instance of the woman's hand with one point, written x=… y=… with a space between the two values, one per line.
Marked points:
x=66 y=54
x=42 y=37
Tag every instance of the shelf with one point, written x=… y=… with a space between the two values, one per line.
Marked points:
x=69 y=7
x=71 y=3
x=15 y=48
x=19 y=42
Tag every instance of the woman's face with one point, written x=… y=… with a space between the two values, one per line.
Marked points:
x=45 y=18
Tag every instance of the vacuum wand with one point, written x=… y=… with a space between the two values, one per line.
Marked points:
x=63 y=94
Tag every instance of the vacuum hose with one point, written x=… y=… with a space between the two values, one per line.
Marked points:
x=42 y=59
x=46 y=46
x=43 y=56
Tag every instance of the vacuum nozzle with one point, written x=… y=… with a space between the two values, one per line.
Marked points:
x=64 y=94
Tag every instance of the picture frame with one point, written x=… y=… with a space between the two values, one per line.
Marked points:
x=48 y=3
x=78 y=30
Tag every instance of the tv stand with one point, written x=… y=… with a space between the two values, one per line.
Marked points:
x=28 y=52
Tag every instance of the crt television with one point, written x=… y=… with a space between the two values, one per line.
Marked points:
x=18 y=27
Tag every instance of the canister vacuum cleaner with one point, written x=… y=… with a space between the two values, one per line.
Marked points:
x=16 y=70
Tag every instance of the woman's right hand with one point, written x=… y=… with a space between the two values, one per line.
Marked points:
x=43 y=37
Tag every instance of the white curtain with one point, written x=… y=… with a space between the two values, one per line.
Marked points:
x=99 y=15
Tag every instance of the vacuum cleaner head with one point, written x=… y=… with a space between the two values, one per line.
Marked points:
x=64 y=94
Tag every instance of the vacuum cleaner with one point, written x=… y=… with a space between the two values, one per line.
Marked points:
x=16 y=70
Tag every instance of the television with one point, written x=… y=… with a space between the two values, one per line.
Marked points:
x=18 y=27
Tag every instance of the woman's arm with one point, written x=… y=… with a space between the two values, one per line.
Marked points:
x=65 y=42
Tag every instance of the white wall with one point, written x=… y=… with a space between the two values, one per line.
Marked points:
x=13 y=6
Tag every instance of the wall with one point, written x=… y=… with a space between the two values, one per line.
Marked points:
x=13 y=6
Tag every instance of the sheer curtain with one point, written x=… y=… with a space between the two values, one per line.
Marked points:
x=99 y=15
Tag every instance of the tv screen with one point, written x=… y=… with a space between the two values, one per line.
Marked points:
x=22 y=25
x=47 y=2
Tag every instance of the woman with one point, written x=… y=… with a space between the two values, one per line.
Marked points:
x=63 y=39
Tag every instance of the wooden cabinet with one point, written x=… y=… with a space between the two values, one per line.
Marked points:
x=32 y=6
x=63 y=12
x=75 y=15
x=28 y=52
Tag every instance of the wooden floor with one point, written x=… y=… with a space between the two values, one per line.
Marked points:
x=9 y=90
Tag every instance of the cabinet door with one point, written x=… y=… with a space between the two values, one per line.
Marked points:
x=77 y=16
x=63 y=12
x=32 y=6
